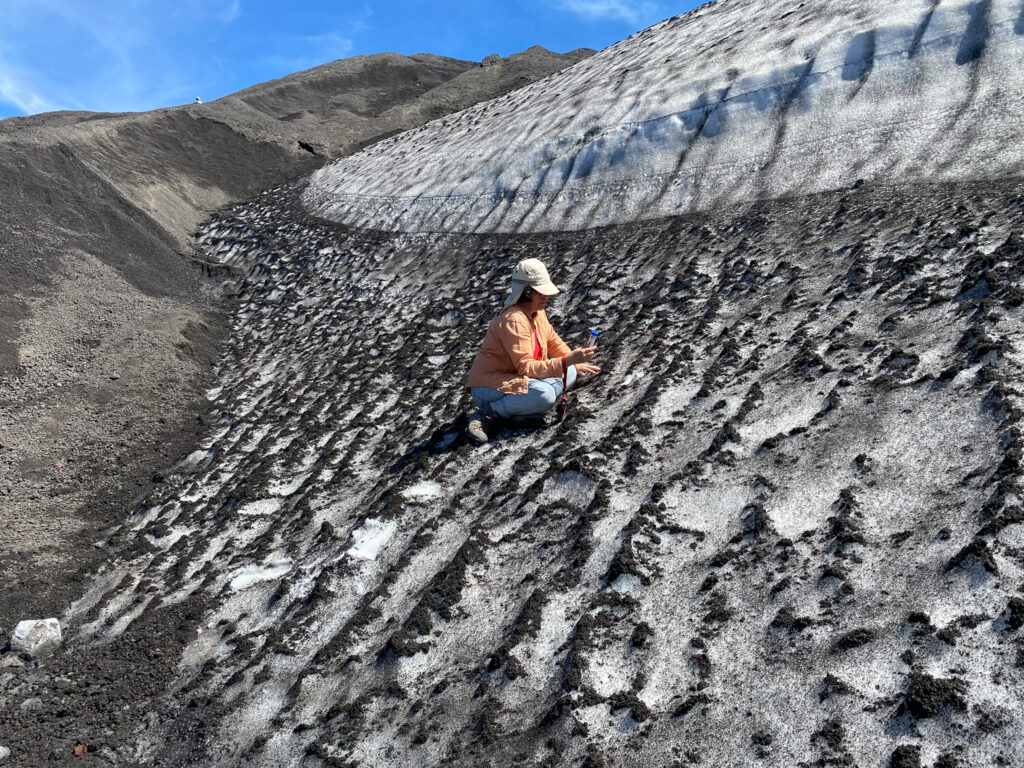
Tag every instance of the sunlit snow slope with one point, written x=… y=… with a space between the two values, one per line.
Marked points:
x=782 y=527
x=731 y=103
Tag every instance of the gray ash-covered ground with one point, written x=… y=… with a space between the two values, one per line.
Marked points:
x=782 y=527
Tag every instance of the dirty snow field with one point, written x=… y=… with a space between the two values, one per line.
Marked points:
x=782 y=527
x=734 y=102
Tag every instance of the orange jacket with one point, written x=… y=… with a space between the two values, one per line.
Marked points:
x=505 y=361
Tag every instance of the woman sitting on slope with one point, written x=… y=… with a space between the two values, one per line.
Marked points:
x=522 y=363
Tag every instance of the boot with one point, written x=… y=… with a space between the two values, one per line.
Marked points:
x=479 y=423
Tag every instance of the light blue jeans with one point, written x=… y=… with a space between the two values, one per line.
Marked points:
x=539 y=398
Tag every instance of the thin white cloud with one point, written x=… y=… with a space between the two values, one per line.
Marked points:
x=232 y=10
x=633 y=11
x=26 y=101
x=18 y=90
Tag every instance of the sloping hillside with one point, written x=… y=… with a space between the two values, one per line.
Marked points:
x=732 y=103
x=109 y=321
x=782 y=527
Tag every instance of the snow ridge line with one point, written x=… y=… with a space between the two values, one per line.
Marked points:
x=887 y=104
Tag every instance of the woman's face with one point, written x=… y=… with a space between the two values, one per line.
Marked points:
x=537 y=302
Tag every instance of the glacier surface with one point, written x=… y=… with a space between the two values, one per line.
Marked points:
x=734 y=102
x=782 y=527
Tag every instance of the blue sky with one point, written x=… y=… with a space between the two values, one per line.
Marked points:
x=119 y=55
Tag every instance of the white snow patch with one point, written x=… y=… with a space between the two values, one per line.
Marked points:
x=254 y=574
x=628 y=584
x=288 y=487
x=280 y=445
x=255 y=437
x=195 y=457
x=261 y=507
x=423 y=491
x=370 y=538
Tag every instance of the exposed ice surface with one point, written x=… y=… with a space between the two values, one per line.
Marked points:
x=246 y=577
x=370 y=538
x=423 y=491
x=732 y=103
x=792 y=495
x=261 y=507
x=803 y=439
x=196 y=456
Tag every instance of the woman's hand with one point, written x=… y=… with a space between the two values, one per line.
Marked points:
x=581 y=355
x=585 y=370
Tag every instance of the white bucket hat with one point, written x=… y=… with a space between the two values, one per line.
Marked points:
x=532 y=273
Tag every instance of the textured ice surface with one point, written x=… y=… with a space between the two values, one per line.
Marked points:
x=261 y=507
x=734 y=102
x=370 y=538
x=793 y=491
x=246 y=577
x=423 y=491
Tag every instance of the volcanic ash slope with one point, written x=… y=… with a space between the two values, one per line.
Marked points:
x=734 y=102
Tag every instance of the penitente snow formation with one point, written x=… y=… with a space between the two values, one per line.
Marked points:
x=782 y=527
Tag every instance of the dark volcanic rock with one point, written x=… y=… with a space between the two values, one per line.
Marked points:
x=906 y=756
x=978 y=551
x=926 y=696
x=1014 y=614
x=853 y=639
